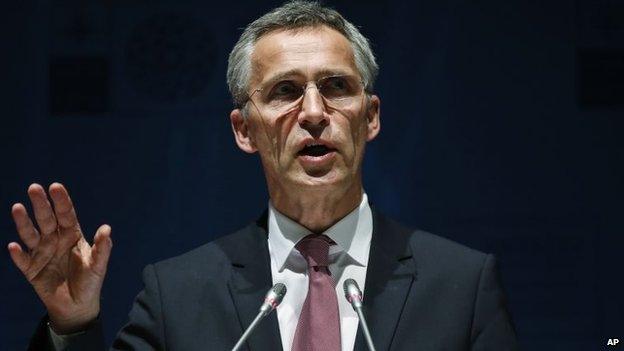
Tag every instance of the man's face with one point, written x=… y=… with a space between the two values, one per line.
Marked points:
x=302 y=57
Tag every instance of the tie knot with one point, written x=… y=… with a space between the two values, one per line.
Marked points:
x=315 y=249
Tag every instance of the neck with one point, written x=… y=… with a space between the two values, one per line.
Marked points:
x=317 y=209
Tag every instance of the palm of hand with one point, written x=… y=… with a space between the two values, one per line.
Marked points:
x=65 y=271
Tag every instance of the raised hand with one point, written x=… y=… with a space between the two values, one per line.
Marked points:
x=66 y=272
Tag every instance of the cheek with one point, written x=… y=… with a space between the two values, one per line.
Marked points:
x=357 y=127
x=272 y=136
x=286 y=126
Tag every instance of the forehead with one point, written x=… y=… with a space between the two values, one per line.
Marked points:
x=309 y=52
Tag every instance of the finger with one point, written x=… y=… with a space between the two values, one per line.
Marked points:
x=65 y=216
x=102 y=246
x=63 y=207
x=19 y=257
x=25 y=228
x=42 y=208
x=48 y=240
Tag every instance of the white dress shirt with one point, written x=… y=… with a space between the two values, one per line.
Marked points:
x=348 y=259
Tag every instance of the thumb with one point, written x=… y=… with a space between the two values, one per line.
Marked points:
x=102 y=246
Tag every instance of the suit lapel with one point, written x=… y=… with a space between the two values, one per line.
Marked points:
x=250 y=280
x=388 y=282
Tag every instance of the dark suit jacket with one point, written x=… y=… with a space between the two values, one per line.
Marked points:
x=422 y=293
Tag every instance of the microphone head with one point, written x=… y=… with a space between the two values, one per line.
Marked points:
x=280 y=290
x=274 y=297
x=352 y=291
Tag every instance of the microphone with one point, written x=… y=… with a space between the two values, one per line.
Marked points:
x=353 y=294
x=272 y=299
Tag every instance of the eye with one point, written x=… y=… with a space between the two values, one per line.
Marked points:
x=335 y=87
x=338 y=83
x=285 y=89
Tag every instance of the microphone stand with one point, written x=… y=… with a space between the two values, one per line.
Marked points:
x=353 y=294
x=365 y=331
x=271 y=300
x=249 y=330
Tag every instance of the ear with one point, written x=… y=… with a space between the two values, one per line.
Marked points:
x=373 y=123
x=240 y=128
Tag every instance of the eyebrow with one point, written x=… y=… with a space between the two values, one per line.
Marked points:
x=297 y=73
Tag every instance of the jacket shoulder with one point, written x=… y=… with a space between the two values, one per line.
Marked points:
x=434 y=251
x=212 y=258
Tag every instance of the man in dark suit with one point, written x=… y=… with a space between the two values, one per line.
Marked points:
x=301 y=77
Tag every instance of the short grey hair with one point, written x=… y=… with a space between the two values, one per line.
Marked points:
x=294 y=15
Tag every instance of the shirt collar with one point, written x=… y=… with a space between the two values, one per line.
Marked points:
x=352 y=234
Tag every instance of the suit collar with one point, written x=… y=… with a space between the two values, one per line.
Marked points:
x=389 y=278
x=250 y=281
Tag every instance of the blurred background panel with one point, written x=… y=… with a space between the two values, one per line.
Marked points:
x=501 y=129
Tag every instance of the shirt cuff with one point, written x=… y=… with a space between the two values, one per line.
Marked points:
x=60 y=342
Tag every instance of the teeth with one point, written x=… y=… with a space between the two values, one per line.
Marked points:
x=313 y=144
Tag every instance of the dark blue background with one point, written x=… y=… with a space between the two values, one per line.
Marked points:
x=501 y=129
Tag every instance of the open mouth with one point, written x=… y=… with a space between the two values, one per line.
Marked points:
x=315 y=151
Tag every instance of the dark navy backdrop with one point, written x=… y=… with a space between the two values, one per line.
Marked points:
x=501 y=129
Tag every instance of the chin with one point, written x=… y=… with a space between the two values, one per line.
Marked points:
x=320 y=178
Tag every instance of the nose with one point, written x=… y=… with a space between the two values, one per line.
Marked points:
x=312 y=114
